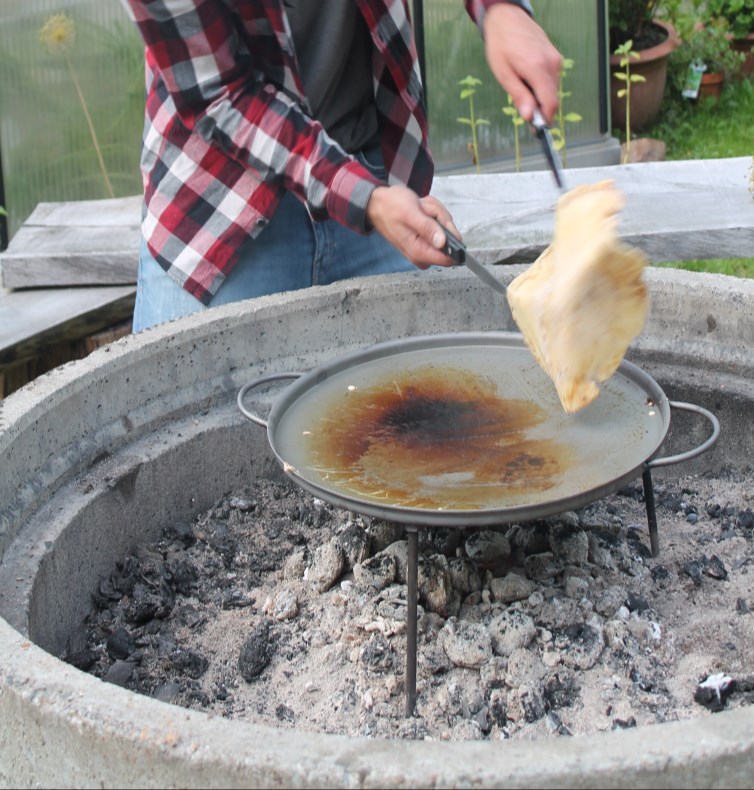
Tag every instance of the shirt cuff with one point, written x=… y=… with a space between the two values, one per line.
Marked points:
x=524 y=4
x=349 y=194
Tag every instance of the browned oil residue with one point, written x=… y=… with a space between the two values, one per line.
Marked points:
x=434 y=437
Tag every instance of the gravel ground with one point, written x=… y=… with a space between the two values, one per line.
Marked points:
x=277 y=608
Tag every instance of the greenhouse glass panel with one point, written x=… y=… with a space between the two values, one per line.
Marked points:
x=453 y=51
x=71 y=118
x=71 y=121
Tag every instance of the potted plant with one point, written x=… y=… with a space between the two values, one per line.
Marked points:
x=739 y=14
x=647 y=25
x=705 y=48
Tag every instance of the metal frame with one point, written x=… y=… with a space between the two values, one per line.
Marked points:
x=418 y=24
x=3 y=218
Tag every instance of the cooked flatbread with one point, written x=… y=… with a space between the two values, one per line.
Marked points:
x=582 y=302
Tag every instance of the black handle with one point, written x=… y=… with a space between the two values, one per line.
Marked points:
x=454 y=248
x=542 y=130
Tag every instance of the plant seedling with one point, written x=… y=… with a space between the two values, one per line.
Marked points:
x=468 y=89
x=559 y=131
x=517 y=122
x=627 y=53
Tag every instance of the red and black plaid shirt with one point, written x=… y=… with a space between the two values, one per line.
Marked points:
x=228 y=130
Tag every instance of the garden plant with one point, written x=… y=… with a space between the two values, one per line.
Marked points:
x=517 y=122
x=468 y=89
x=58 y=35
x=627 y=53
x=563 y=117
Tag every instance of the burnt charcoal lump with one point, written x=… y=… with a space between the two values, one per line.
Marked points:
x=183 y=576
x=146 y=604
x=713 y=692
x=181 y=531
x=189 y=662
x=377 y=654
x=661 y=576
x=636 y=603
x=745 y=519
x=120 y=644
x=714 y=568
x=256 y=652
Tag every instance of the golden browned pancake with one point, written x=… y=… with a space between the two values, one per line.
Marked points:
x=583 y=300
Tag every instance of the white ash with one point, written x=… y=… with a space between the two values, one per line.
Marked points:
x=277 y=608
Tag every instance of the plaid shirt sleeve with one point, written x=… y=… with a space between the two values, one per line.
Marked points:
x=218 y=92
x=477 y=8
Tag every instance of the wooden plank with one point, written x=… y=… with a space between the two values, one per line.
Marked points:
x=115 y=211
x=31 y=321
x=695 y=209
x=674 y=211
x=42 y=257
x=90 y=242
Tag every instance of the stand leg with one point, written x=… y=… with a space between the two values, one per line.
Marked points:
x=649 y=499
x=412 y=580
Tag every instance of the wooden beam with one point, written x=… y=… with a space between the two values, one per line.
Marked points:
x=675 y=211
x=88 y=242
x=31 y=321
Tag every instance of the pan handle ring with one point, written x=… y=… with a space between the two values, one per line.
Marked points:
x=703 y=447
x=258 y=383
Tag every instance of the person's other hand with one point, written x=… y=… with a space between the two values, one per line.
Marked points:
x=410 y=224
x=522 y=59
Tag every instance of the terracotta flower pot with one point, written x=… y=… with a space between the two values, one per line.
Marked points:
x=711 y=86
x=745 y=45
x=646 y=97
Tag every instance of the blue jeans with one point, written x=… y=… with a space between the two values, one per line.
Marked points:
x=292 y=252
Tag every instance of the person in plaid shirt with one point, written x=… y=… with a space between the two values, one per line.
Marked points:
x=285 y=143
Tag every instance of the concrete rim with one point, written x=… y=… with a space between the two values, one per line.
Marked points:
x=63 y=727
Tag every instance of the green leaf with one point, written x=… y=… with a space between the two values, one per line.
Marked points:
x=464 y=120
x=482 y=122
x=621 y=93
x=621 y=77
x=510 y=111
x=573 y=117
x=467 y=92
x=638 y=78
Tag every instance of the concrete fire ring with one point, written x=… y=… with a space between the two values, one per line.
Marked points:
x=104 y=452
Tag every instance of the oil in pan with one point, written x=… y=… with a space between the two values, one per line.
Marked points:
x=466 y=428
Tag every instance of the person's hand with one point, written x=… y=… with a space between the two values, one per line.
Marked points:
x=522 y=59
x=410 y=224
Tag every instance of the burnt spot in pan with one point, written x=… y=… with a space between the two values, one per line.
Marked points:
x=433 y=437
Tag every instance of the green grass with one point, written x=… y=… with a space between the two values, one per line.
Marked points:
x=711 y=131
